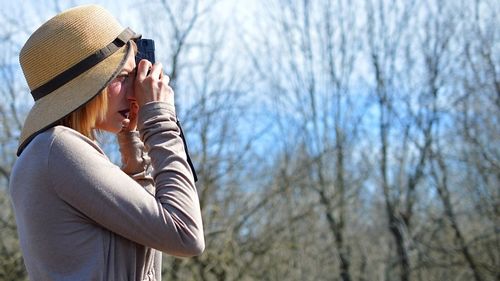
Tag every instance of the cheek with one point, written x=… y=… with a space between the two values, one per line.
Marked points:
x=114 y=89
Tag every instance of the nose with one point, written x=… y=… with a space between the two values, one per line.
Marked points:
x=130 y=95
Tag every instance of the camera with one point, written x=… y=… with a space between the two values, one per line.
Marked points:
x=145 y=50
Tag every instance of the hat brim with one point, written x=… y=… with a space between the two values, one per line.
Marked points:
x=69 y=97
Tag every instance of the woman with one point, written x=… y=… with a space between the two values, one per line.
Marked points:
x=80 y=217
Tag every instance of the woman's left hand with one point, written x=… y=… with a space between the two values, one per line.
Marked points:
x=130 y=124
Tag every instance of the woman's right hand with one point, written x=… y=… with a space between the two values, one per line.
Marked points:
x=151 y=84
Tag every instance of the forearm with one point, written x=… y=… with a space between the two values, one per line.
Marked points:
x=174 y=181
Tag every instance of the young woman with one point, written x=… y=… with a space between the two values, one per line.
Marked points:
x=79 y=216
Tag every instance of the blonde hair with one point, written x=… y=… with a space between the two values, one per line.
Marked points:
x=85 y=118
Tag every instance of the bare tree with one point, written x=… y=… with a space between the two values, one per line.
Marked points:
x=478 y=133
x=387 y=29
x=313 y=48
x=441 y=26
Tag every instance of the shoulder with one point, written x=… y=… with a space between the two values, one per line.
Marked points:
x=68 y=150
x=62 y=134
x=57 y=144
x=61 y=139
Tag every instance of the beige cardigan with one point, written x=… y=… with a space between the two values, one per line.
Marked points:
x=80 y=217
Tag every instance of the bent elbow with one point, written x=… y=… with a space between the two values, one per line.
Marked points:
x=197 y=247
x=194 y=246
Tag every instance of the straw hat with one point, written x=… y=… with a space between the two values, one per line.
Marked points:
x=67 y=61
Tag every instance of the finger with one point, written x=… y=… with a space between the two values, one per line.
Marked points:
x=130 y=123
x=125 y=125
x=132 y=126
x=166 y=78
x=156 y=70
x=143 y=69
x=134 y=108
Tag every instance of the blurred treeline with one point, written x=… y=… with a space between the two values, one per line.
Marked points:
x=333 y=139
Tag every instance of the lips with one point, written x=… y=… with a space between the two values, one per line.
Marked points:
x=124 y=113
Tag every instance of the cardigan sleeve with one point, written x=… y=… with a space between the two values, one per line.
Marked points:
x=168 y=220
x=135 y=160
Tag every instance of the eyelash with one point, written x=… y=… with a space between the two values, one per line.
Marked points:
x=122 y=77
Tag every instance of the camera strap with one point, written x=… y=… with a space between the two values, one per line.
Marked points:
x=178 y=122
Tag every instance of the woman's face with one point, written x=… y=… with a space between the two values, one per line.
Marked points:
x=120 y=97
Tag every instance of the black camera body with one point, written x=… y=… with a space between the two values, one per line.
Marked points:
x=145 y=50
